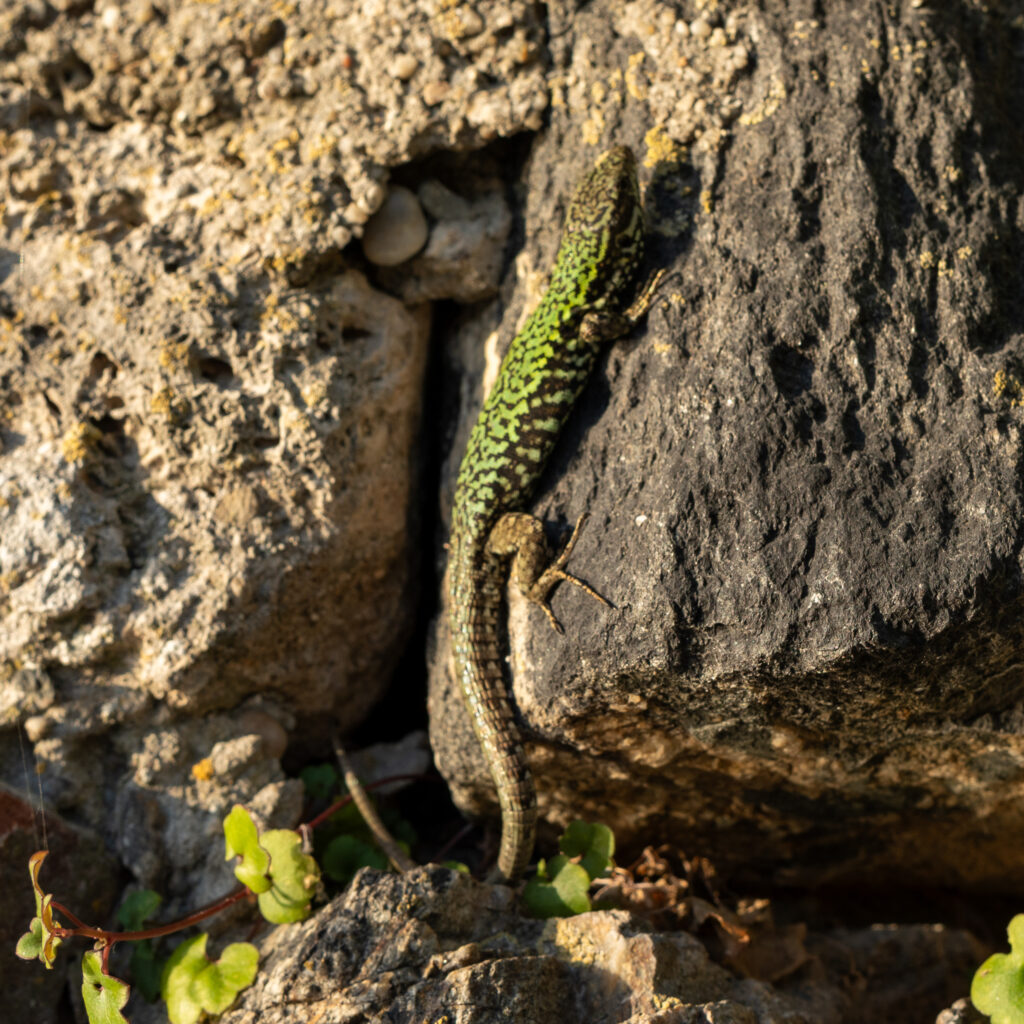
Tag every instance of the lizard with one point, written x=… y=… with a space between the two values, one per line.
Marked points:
x=586 y=305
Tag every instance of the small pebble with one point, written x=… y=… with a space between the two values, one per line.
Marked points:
x=434 y=92
x=397 y=231
x=405 y=67
x=699 y=28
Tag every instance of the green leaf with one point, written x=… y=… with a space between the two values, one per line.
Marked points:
x=30 y=945
x=456 y=865
x=320 y=780
x=192 y=984
x=559 y=889
x=136 y=907
x=345 y=855
x=102 y=994
x=242 y=840
x=41 y=940
x=294 y=876
x=146 y=968
x=593 y=844
x=998 y=985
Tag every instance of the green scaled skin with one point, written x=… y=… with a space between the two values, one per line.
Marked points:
x=538 y=382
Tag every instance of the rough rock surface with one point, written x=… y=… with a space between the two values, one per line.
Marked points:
x=434 y=945
x=210 y=416
x=803 y=474
x=209 y=440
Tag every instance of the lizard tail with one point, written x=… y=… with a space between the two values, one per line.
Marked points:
x=478 y=664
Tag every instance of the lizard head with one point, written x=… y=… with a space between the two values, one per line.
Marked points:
x=604 y=224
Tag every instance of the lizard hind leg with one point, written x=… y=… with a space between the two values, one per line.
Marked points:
x=520 y=536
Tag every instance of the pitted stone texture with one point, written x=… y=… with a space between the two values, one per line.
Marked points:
x=434 y=944
x=803 y=475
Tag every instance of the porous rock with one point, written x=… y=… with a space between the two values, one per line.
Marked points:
x=434 y=943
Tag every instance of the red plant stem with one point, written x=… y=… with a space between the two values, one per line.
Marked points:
x=82 y=929
x=149 y=933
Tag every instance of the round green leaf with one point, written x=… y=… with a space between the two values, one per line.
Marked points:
x=103 y=995
x=242 y=840
x=998 y=985
x=192 y=984
x=293 y=876
x=136 y=907
x=559 y=889
x=30 y=945
x=594 y=844
x=320 y=780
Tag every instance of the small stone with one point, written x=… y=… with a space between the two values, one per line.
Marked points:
x=700 y=29
x=405 y=67
x=36 y=728
x=434 y=92
x=397 y=231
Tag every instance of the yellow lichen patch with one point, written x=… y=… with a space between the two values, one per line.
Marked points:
x=1009 y=387
x=322 y=145
x=593 y=128
x=210 y=205
x=277 y=318
x=964 y=252
x=76 y=444
x=660 y=1001
x=173 y=354
x=926 y=259
x=315 y=393
x=202 y=771
x=636 y=85
x=167 y=404
x=662 y=148
x=707 y=201
x=571 y=942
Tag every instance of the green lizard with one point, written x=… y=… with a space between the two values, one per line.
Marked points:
x=538 y=382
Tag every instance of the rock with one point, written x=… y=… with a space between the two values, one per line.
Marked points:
x=183 y=781
x=464 y=256
x=961 y=1012
x=435 y=942
x=211 y=434
x=397 y=231
x=802 y=474
x=78 y=872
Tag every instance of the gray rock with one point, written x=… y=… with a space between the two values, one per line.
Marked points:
x=803 y=474
x=397 y=231
x=961 y=1012
x=434 y=943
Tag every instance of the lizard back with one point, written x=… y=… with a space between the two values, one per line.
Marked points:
x=538 y=382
